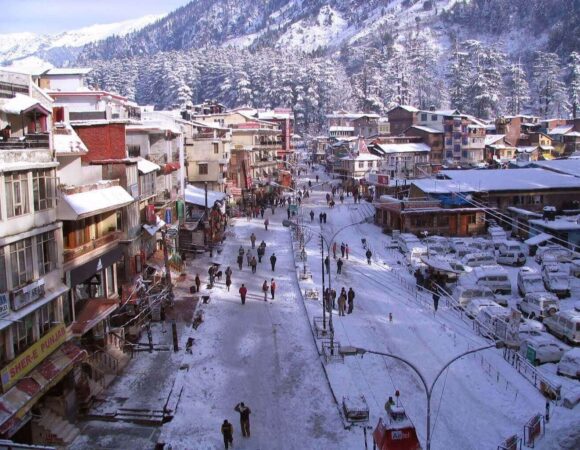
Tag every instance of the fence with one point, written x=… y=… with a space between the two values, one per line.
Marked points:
x=533 y=429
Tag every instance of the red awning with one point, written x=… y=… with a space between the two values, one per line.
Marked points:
x=95 y=310
x=18 y=400
x=170 y=167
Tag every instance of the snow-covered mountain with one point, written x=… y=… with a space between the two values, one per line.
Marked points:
x=30 y=50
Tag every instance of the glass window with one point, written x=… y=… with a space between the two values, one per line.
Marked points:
x=42 y=189
x=203 y=170
x=423 y=116
x=361 y=164
x=110 y=281
x=3 y=284
x=46 y=248
x=21 y=258
x=216 y=148
x=434 y=117
x=46 y=318
x=17 y=194
x=23 y=334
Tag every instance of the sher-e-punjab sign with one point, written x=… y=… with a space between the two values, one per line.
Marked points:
x=28 y=360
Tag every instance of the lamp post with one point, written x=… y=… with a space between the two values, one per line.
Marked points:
x=351 y=351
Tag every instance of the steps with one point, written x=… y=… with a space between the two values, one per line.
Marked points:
x=140 y=415
x=56 y=429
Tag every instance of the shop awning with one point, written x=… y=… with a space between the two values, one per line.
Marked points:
x=538 y=239
x=144 y=166
x=170 y=167
x=90 y=203
x=87 y=270
x=18 y=400
x=152 y=229
x=196 y=196
x=95 y=310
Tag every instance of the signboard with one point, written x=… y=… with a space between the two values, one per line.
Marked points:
x=4 y=309
x=531 y=354
x=28 y=360
x=26 y=295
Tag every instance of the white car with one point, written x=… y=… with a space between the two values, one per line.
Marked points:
x=575 y=268
x=539 y=305
x=543 y=349
x=464 y=295
x=565 y=325
x=457 y=242
x=530 y=280
x=553 y=253
x=556 y=279
x=474 y=307
x=440 y=243
x=570 y=364
x=483 y=245
x=511 y=258
x=478 y=259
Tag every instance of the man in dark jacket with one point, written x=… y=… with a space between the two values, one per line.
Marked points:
x=243 y=291
x=339 y=266
x=228 y=434
x=327 y=264
x=273 y=261
x=244 y=418
x=240 y=261
x=350 y=297
x=311 y=216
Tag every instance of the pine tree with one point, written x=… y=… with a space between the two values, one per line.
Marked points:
x=548 y=87
x=573 y=79
x=517 y=89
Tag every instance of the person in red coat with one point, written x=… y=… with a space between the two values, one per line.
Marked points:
x=272 y=288
x=243 y=291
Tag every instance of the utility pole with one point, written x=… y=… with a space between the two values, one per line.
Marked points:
x=166 y=262
x=323 y=299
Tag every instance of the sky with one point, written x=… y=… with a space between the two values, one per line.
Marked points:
x=54 y=16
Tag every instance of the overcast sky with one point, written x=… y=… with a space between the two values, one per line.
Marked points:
x=53 y=16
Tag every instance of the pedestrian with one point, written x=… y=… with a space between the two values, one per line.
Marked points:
x=211 y=273
x=334 y=250
x=273 y=210
x=241 y=251
x=333 y=297
x=228 y=281
x=243 y=291
x=342 y=249
x=273 y=261
x=324 y=217
x=311 y=215
x=341 y=198
x=327 y=198
x=341 y=304
x=266 y=223
x=265 y=288
x=309 y=183
x=253 y=240
x=339 y=266
x=249 y=256
x=244 y=418
x=436 y=297
x=228 y=434
x=253 y=264
x=240 y=261
x=369 y=254
x=272 y=288
x=346 y=250
x=197 y=282
x=262 y=212
x=327 y=264
x=288 y=212
x=229 y=272
x=320 y=218
x=350 y=297
x=317 y=178
x=260 y=253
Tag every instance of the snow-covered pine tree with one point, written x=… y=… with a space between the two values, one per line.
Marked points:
x=573 y=81
x=516 y=88
x=548 y=86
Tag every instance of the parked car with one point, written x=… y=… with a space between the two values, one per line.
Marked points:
x=542 y=349
x=456 y=242
x=439 y=244
x=464 y=295
x=539 y=305
x=494 y=277
x=408 y=241
x=553 y=253
x=569 y=364
x=497 y=235
x=478 y=259
x=565 y=325
x=510 y=246
x=530 y=280
x=483 y=245
x=511 y=258
x=462 y=250
x=556 y=279
x=575 y=268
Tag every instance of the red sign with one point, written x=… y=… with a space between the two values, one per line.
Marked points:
x=383 y=179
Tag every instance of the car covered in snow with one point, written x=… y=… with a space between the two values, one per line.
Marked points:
x=556 y=279
x=494 y=277
x=464 y=295
x=509 y=246
x=543 y=349
x=569 y=364
x=575 y=268
x=482 y=245
x=439 y=244
x=497 y=235
x=565 y=325
x=530 y=280
x=511 y=258
x=407 y=241
x=553 y=252
x=474 y=306
x=539 y=305
x=478 y=259
x=497 y=319
x=457 y=242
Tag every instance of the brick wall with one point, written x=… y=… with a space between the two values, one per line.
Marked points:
x=103 y=141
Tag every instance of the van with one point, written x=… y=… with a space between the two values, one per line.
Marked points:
x=510 y=246
x=539 y=305
x=494 y=277
x=511 y=258
x=465 y=294
x=570 y=364
x=529 y=280
x=407 y=241
x=497 y=235
x=457 y=242
x=565 y=325
x=478 y=259
x=483 y=245
x=556 y=279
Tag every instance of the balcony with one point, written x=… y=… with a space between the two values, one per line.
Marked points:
x=25 y=156
x=72 y=253
x=87 y=115
x=37 y=140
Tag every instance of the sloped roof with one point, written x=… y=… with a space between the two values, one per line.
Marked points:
x=426 y=129
x=21 y=104
x=493 y=138
x=403 y=148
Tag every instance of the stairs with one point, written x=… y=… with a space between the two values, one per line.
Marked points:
x=54 y=429
x=140 y=415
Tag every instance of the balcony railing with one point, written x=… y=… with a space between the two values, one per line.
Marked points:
x=72 y=253
x=27 y=141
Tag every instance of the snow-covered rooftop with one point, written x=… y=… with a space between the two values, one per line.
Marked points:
x=493 y=138
x=66 y=140
x=566 y=166
x=410 y=147
x=568 y=223
x=337 y=128
x=427 y=129
x=68 y=71
x=196 y=196
x=561 y=129
x=144 y=166
x=96 y=201
x=20 y=103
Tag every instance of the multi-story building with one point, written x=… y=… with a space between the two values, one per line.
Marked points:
x=401 y=118
x=284 y=117
x=516 y=128
x=430 y=136
x=359 y=163
x=403 y=160
x=357 y=124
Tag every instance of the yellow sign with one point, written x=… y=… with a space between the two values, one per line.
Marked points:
x=28 y=360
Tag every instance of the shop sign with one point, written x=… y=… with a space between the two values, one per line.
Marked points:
x=28 y=360
x=4 y=306
x=26 y=295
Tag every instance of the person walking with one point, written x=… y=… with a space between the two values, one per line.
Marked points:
x=265 y=288
x=273 y=261
x=197 y=282
x=228 y=281
x=266 y=223
x=249 y=256
x=244 y=418
x=240 y=261
x=262 y=212
x=327 y=264
x=320 y=218
x=369 y=255
x=317 y=178
x=341 y=304
x=436 y=297
x=288 y=212
x=342 y=249
x=260 y=253
x=324 y=217
x=229 y=272
x=228 y=434
x=243 y=291
x=311 y=215
x=253 y=264
x=333 y=298
x=241 y=251
x=350 y=297
x=334 y=250
x=253 y=240
x=272 y=288
x=339 y=266
x=346 y=250
x=211 y=272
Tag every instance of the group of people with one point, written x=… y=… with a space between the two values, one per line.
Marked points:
x=345 y=297
x=227 y=428
x=344 y=250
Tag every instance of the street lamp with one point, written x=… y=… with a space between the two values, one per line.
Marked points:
x=351 y=351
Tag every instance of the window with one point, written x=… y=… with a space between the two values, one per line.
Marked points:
x=21 y=258
x=361 y=164
x=3 y=284
x=133 y=151
x=17 y=194
x=42 y=189
x=216 y=148
x=147 y=184
x=370 y=164
x=22 y=333
x=433 y=117
x=46 y=318
x=423 y=116
x=471 y=219
x=202 y=169
x=46 y=249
